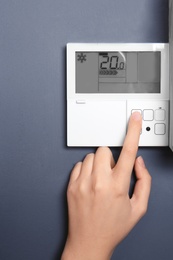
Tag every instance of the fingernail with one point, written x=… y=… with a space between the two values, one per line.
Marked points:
x=137 y=116
x=141 y=161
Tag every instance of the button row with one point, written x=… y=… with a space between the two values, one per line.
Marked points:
x=150 y=114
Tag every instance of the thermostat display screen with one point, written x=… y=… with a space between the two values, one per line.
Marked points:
x=118 y=72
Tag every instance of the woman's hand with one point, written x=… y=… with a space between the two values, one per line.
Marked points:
x=101 y=213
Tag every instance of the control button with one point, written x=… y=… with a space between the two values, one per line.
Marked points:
x=148 y=128
x=148 y=115
x=160 y=114
x=160 y=129
x=136 y=110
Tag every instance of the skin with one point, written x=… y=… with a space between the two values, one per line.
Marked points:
x=101 y=214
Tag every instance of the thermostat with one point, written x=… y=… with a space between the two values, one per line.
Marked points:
x=108 y=82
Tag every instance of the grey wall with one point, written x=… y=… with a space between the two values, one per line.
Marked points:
x=34 y=161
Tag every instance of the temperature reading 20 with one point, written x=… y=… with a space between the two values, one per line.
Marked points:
x=111 y=61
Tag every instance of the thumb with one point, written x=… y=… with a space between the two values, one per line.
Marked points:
x=142 y=189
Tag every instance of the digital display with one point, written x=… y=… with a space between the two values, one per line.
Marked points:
x=118 y=72
x=112 y=64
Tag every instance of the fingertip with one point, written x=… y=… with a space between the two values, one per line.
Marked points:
x=136 y=116
x=135 y=121
x=135 y=124
x=75 y=172
x=141 y=162
x=141 y=170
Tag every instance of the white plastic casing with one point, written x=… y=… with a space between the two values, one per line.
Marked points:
x=171 y=71
x=100 y=119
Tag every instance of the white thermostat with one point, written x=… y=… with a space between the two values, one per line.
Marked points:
x=108 y=82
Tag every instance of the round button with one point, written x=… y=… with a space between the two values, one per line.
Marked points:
x=148 y=128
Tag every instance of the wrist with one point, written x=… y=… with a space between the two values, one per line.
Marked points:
x=79 y=252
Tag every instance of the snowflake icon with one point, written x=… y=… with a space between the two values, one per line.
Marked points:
x=81 y=57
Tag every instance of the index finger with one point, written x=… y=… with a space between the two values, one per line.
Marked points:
x=127 y=157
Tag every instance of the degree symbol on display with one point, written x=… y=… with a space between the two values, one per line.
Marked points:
x=81 y=57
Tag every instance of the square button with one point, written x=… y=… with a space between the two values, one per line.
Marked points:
x=160 y=129
x=160 y=114
x=148 y=115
